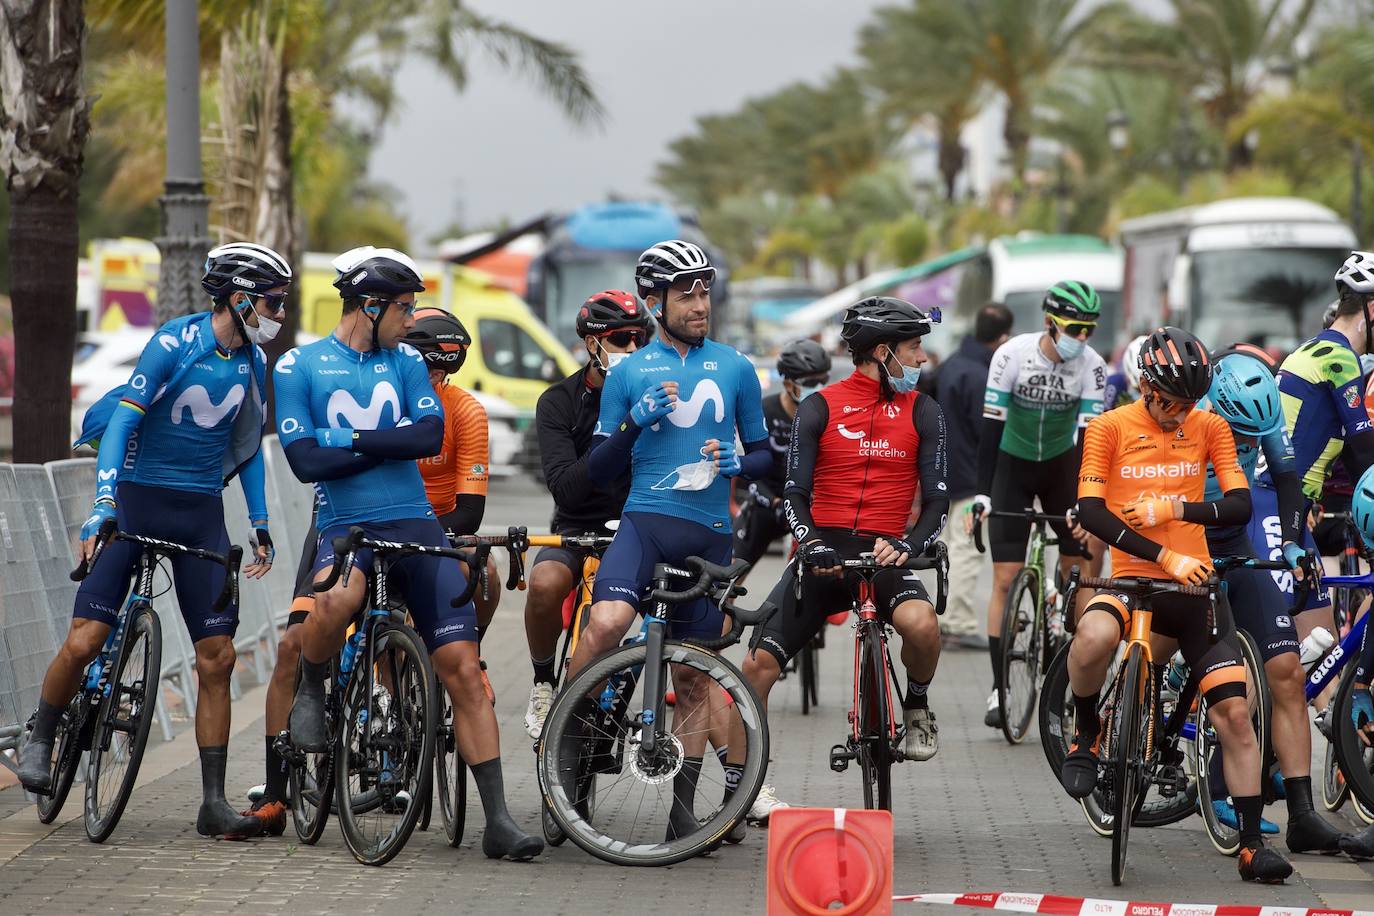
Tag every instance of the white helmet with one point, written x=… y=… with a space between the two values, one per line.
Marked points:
x=381 y=272
x=1357 y=273
x=665 y=263
x=1130 y=361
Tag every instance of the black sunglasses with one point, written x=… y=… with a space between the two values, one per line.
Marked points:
x=275 y=301
x=625 y=338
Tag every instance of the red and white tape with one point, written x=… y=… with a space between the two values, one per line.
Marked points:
x=1054 y=905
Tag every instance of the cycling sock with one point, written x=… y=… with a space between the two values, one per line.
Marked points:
x=1298 y=795
x=491 y=787
x=1085 y=717
x=277 y=772
x=916 y=694
x=503 y=838
x=734 y=772
x=543 y=670
x=682 y=818
x=1248 y=809
x=213 y=761
x=722 y=753
x=216 y=817
x=995 y=656
x=313 y=672
x=45 y=723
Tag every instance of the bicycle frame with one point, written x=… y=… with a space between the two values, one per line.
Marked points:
x=869 y=620
x=1348 y=647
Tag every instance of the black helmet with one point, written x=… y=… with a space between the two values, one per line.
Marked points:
x=803 y=359
x=1176 y=363
x=881 y=319
x=611 y=310
x=383 y=273
x=441 y=339
x=664 y=264
x=243 y=265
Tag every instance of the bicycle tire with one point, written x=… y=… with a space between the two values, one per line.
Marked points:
x=808 y=663
x=142 y=642
x=563 y=750
x=875 y=758
x=1022 y=627
x=410 y=669
x=1225 y=839
x=451 y=773
x=1130 y=726
x=67 y=759
x=1335 y=789
x=310 y=778
x=1356 y=761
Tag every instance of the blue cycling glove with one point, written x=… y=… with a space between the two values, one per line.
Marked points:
x=727 y=460
x=652 y=406
x=334 y=438
x=1293 y=554
x=1361 y=708
x=102 y=510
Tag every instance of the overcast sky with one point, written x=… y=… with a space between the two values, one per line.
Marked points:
x=500 y=150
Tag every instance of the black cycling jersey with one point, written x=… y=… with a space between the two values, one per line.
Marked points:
x=779 y=426
x=565 y=419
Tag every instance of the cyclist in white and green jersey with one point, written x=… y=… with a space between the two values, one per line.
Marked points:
x=1043 y=387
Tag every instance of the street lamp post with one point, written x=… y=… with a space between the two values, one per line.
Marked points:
x=1118 y=131
x=185 y=207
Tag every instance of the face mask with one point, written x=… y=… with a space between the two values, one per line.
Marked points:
x=695 y=476
x=265 y=332
x=606 y=360
x=906 y=382
x=1068 y=347
x=1366 y=363
x=804 y=391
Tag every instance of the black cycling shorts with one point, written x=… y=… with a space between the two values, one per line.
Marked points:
x=1257 y=601
x=1218 y=666
x=797 y=620
x=755 y=528
x=1015 y=485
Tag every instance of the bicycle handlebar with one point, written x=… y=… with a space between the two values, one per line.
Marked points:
x=345 y=554
x=1028 y=514
x=1145 y=586
x=938 y=561
x=230 y=560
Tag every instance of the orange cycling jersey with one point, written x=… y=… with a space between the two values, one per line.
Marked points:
x=461 y=467
x=1126 y=457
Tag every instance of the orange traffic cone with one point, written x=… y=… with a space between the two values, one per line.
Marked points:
x=829 y=862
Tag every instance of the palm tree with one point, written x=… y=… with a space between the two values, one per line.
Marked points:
x=44 y=119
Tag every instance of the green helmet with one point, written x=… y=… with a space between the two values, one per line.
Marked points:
x=1073 y=300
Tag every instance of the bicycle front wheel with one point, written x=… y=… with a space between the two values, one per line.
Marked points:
x=594 y=734
x=385 y=749
x=1353 y=756
x=122 y=723
x=1207 y=748
x=451 y=772
x=1130 y=742
x=1335 y=790
x=311 y=776
x=68 y=757
x=1022 y=631
x=875 y=747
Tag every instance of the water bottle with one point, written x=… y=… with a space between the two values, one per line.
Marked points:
x=1177 y=674
x=1315 y=645
x=350 y=651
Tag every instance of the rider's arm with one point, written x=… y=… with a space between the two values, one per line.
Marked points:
x=472 y=456
x=565 y=471
x=933 y=466
x=1101 y=443
x=1094 y=394
x=1234 y=506
x=1347 y=397
x=807 y=426
x=309 y=461
x=466 y=516
x=1283 y=469
x=253 y=479
x=757 y=460
x=996 y=403
x=424 y=436
x=616 y=433
x=155 y=368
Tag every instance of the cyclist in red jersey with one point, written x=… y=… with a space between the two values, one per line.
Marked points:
x=861 y=449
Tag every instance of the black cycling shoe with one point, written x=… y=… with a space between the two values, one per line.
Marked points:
x=1359 y=845
x=504 y=840
x=1263 y=865
x=1309 y=832
x=218 y=819
x=35 y=768
x=307 y=718
x=1079 y=772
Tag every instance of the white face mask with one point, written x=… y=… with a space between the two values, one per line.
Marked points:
x=805 y=391
x=695 y=476
x=265 y=332
x=606 y=360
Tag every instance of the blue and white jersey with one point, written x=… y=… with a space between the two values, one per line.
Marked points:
x=1276 y=449
x=328 y=384
x=718 y=393
x=188 y=410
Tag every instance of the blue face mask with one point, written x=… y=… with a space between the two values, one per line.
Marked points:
x=1068 y=347
x=906 y=382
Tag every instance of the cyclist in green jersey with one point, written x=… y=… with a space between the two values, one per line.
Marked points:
x=1043 y=387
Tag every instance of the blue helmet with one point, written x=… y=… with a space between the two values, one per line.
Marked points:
x=1245 y=394
x=1362 y=506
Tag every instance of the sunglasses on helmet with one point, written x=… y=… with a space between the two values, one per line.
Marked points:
x=624 y=337
x=1074 y=328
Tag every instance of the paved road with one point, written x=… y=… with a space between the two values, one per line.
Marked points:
x=980 y=816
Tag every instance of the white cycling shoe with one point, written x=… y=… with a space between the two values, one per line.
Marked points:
x=541 y=698
x=922 y=734
x=764 y=805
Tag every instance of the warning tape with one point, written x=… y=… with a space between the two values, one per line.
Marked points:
x=1054 y=905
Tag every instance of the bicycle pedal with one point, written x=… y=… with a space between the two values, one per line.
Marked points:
x=839 y=758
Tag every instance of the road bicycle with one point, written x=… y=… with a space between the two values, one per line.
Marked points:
x=112 y=712
x=608 y=759
x=876 y=730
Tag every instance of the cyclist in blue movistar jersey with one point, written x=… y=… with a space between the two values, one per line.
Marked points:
x=1245 y=394
x=669 y=414
x=189 y=419
x=354 y=412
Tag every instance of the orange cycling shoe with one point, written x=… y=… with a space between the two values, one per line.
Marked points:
x=1263 y=865
x=271 y=814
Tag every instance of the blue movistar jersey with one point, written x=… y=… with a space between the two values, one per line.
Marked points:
x=170 y=425
x=718 y=393
x=328 y=384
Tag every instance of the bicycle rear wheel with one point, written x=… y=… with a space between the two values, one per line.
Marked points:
x=310 y=778
x=386 y=746
x=122 y=723
x=1335 y=790
x=450 y=771
x=1207 y=747
x=66 y=760
x=875 y=749
x=1022 y=632
x=808 y=663
x=593 y=732
x=1130 y=740
x=1356 y=761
